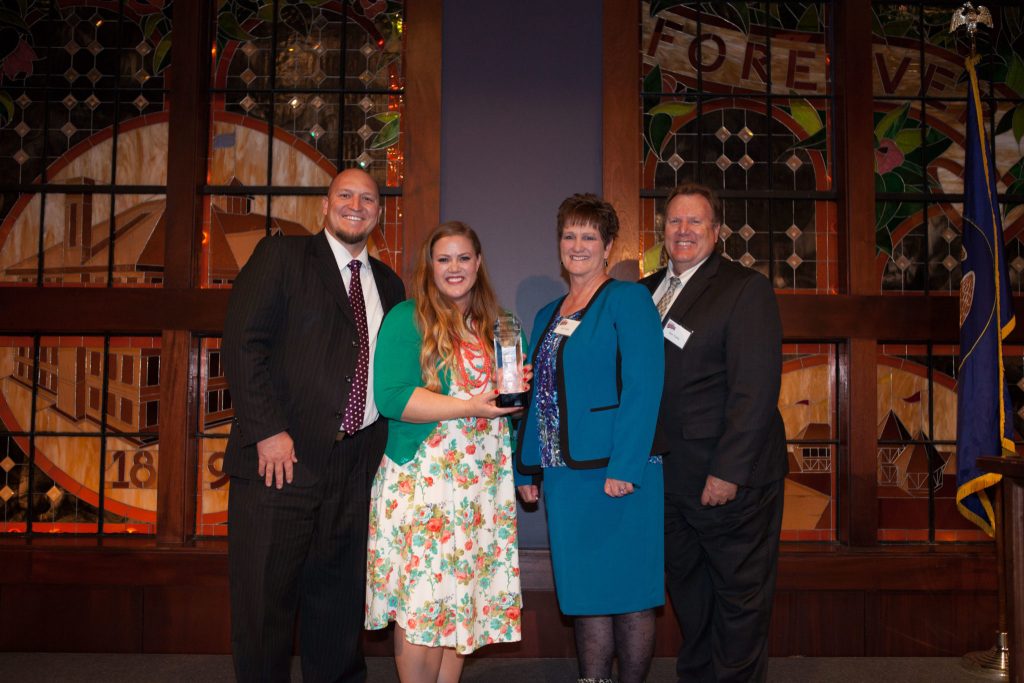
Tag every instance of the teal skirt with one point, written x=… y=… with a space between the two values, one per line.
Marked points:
x=608 y=554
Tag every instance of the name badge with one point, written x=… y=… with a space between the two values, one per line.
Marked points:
x=676 y=333
x=566 y=327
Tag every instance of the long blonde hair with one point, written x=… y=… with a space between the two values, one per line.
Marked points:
x=440 y=323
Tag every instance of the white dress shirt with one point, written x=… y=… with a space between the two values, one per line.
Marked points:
x=684 y=277
x=374 y=310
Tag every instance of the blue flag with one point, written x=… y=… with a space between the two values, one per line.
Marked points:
x=984 y=421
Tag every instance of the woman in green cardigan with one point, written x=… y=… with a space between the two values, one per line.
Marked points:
x=443 y=561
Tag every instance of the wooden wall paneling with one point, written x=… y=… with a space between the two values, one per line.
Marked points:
x=854 y=175
x=187 y=619
x=910 y=625
x=70 y=618
x=421 y=190
x=817 y=624
x=975 y=619
x=621 y=124
x=117 y=311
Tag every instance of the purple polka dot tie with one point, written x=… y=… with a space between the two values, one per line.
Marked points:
x=357 y=394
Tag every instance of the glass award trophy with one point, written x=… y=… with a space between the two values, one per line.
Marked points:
x=508 y=361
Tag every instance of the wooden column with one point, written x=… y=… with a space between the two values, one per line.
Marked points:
x=188 y=144
x=854 y=176
x=421 y=190
x=621 y=124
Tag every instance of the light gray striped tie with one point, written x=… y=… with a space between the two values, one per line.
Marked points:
x=666 y=299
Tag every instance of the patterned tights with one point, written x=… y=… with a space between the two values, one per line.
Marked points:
x=630 y=636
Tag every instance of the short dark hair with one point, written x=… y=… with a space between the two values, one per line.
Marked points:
x=690 y=188
x=589 y=209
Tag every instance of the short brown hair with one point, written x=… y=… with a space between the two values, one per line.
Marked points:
x=690 y=188
x=589 y=209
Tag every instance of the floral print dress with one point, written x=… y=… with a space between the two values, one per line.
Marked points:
x=443 y=559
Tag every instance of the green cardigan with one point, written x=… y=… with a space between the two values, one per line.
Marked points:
x=396 y=374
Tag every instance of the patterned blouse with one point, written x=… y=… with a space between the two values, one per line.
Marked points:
x=546 y=377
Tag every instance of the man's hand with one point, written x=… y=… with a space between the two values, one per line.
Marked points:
x=717 y=491
x=276 y=457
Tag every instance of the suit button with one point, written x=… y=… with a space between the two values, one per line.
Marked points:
x=348 y=379
x=354 y=343
x=340 y=414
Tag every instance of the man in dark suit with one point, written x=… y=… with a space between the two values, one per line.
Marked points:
x=726 y=461
x=306 y=442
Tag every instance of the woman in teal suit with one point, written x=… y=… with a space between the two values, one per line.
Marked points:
x=598 y=369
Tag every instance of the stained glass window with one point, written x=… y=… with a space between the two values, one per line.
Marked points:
x=79 y=452
x=739 y=96
x=916 y=430
x=83 y=143
x=920 y=99
x=298 y=93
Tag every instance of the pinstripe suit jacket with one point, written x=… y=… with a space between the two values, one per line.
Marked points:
x=290 y=348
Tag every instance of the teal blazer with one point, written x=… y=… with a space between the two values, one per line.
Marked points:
x=610 y=374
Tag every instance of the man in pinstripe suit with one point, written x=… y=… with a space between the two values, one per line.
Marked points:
x=306 y=440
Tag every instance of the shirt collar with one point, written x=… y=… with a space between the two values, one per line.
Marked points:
x=343 y=256
x=685 y=275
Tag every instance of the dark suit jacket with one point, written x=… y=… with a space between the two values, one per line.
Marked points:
x=719 y=408
x=290 y=348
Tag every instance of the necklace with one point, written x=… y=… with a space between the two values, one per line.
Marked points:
x=474 y=355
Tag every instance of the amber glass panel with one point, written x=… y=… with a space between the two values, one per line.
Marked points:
x=807 y=401
x=14 y=483
x=17 y=377
x=65 y=490
x=212 y=499
x=70 y=374
x=130 y=486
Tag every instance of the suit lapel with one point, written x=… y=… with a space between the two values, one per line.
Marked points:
x=698 y=282
x=652 y=281
x=327 y=268
x=384 y=288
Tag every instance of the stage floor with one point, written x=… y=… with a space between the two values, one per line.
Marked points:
x=93 y=668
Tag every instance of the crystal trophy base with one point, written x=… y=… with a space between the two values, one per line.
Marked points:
x=512 y=400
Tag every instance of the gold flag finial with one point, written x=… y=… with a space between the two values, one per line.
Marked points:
x=970 y=16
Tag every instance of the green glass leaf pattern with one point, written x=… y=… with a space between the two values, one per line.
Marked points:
x=9 y=18
x=6 y=108
x=807 y=116
x=891 y=123
x=388 y=134
x=673 y=109
x=908 y=139
x=661 y=5
x=658 y=127
x=1015 y=75
x=229 y=26
x=163 y=49
x=1016 y=186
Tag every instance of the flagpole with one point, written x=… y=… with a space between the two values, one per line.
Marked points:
x=993 y=663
